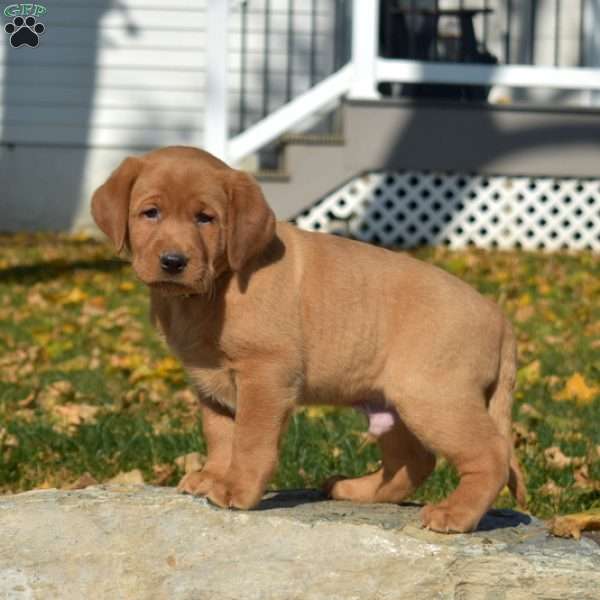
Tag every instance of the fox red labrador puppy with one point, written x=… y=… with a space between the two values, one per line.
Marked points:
x=265 y=317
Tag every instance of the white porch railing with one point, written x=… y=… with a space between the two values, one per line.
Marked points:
x=358 y=80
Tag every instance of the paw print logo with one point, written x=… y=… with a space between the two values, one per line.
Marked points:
x=24 y=32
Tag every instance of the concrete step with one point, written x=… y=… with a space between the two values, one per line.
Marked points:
x=314 y=171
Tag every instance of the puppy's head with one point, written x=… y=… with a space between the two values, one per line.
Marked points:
x=185 y=216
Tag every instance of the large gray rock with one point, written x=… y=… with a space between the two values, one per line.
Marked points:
x=130 y=542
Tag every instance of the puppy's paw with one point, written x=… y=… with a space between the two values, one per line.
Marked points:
x=233 y=495
x=197 y=483
x=445 y=518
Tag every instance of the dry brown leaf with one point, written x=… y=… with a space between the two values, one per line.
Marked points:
x=583 y=480
x=551 y=488
x=194 y=461
x=34 y=298
x=28 y=401
x=132 y=335
x=574 y=525
x=134 y=477
x=530 y=411
x=95 y=361
x=162 y=473
x=93 y=307
x=8 y=440
x=552 y=380
x=555 y=458
x=20 y=364
x=522 y=435
x=54 y=393
x=82 y=482
x=25 y=414
x=71 y=415
x=524 y=313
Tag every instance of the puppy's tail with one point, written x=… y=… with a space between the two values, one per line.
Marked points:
x=500 y=409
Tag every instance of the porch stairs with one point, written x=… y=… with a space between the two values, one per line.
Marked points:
x=405 y=135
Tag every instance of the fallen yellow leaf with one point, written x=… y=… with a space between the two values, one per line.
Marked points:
x=169 y=368
x=128 y=362
x=578 y=390
x=75 y=296
x=530 y=374
x=525 y=299
x=134 y=477
x=126 y=286
x=80 y=236
x=317 y=412
x=574 y=525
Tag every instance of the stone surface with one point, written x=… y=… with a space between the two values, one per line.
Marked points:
x=141 y=542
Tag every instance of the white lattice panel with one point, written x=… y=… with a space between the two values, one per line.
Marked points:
x=415 y=208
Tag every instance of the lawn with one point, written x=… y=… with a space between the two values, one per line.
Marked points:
x=86 y=387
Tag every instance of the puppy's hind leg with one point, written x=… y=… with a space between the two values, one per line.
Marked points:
x=465 y=434
x=406 y=463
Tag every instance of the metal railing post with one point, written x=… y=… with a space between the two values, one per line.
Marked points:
x=215 y=114
x=365 y=46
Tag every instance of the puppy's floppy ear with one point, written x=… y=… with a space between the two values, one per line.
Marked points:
x=110 y=202
x=250 y=220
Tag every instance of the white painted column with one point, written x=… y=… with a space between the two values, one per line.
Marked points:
x=365 y=45
x=592 y=43
x=215 y=113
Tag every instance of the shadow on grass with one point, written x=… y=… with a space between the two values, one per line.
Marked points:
x=44 y=271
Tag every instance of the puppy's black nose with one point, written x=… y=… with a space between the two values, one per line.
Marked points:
x=172 y=262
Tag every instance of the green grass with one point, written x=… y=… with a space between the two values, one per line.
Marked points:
x=87 y=387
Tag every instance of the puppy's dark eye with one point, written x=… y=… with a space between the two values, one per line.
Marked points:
x=151 y=213
x=203 y=217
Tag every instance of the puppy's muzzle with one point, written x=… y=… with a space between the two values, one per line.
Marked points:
x=173 y=262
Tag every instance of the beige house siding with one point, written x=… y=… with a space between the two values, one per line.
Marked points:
x=132 y=73
x=115 y=77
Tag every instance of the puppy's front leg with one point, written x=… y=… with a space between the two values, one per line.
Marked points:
x=263 y=409
x=217 y=426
